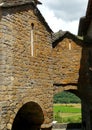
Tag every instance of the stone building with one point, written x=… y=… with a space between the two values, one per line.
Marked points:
x=35 y=63
x=66 y=61
x=26 y=87
x=85 y=78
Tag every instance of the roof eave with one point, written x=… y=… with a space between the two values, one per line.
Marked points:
x=36 y=12
x=10 y=4
x=69 y=36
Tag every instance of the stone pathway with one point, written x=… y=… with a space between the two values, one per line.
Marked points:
x=74 y=126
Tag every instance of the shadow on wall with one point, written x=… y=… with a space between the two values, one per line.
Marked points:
x=29 y=117
x=73 y=126
x=50 y=128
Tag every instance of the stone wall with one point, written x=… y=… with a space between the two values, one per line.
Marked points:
x=85 y=85
x=85 y=75
x=29 y=77
x=23 y=77
x=7 y=3
x=67 y=56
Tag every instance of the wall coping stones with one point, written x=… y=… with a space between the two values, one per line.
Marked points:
x=9 y=3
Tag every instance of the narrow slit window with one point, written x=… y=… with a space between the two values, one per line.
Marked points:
x=32 y=39
x=70 y=46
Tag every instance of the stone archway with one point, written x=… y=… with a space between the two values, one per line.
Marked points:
x=29 y=117
x=73 y=119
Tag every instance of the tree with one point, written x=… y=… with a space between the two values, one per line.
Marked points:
x=66 y=97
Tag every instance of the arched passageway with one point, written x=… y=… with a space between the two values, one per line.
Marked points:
x=67 y=108
x=29 y=117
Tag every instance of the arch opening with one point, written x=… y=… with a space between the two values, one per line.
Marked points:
x=67 y=109
x=29 y=117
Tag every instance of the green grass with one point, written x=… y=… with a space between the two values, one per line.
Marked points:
x=67 y=113
x=66 y=109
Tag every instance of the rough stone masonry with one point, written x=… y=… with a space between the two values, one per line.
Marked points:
x=24 y=77
x=30 y=66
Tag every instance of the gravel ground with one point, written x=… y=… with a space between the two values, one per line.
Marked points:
x=74 y=126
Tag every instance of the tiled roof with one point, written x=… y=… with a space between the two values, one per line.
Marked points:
x=60 y=35
x=57 y=35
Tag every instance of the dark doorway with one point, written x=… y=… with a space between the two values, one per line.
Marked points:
x=90 y=120
x=29 y=117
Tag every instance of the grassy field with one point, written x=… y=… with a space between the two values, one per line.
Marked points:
x=67 y=113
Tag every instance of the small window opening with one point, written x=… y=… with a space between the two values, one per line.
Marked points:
x=32 y=39
x=70 y=46
x=32 y=26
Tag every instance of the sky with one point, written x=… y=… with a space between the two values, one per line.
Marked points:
x=63 y=14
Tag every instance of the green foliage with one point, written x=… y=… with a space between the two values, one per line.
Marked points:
x=67 y=113
x=73 y=119
x=66 y=97
x=66 y=109
x=58 y=117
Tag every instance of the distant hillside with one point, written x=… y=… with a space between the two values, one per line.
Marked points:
x=66 y=97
